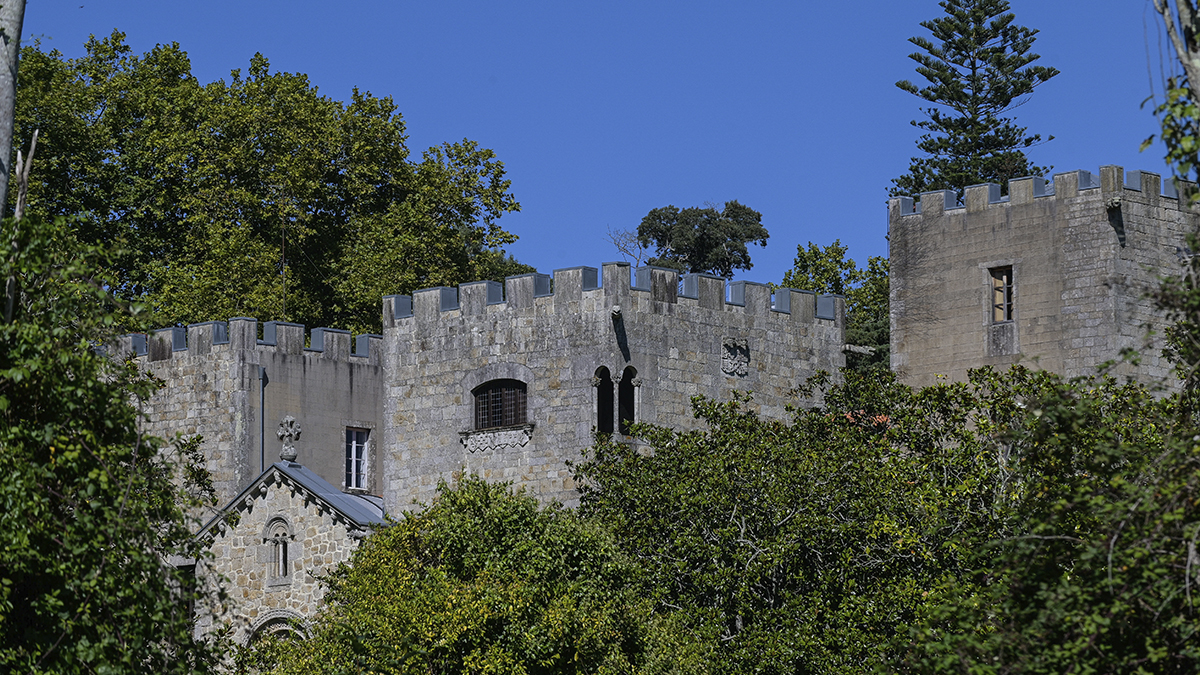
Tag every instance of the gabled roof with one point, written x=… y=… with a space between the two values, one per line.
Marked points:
x=361 y=511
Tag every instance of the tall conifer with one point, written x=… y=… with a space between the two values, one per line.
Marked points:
x=979 y=70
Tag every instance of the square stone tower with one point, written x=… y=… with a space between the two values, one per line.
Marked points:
x=1054 y=275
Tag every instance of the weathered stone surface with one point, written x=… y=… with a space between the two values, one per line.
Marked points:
x=217 y=391
x=1084 y=259
x=555 y=344
x=413 y=390
x=317 y=539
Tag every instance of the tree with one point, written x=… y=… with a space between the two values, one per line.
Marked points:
x=828 y=270
x=12 y=18
x=979 y=70
x=1179 y=113
x=93 y=510
x=481 y=580
x=813 y=546
x=1094 y=566
x=795 y=547
x=703 y=239
x=255 y=196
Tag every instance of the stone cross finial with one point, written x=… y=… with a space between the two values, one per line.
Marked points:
x=289 y=430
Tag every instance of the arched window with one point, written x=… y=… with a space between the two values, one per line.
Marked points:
x=278 y=535
x=625 y=400
x=604 y=401
x=499 y=403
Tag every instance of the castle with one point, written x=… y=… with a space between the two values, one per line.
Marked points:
x=509 y=381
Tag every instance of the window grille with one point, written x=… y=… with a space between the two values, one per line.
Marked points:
x=499 y=403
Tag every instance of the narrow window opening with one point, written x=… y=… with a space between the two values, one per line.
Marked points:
x=499 y=403
x=281 y=558
x=1002 y=294
x=356 y=457
x=279 y=537
x=604 y=401
x=625 y=403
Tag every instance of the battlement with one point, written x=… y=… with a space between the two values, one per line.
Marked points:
x=1112 y=183
x=616 y=288
x=241 y=333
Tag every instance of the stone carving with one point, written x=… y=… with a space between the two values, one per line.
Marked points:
x=289 y=431
x=735 y=357
x=496 y=439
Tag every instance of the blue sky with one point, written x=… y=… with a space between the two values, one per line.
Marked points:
x=603 y=111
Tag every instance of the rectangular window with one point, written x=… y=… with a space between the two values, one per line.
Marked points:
x=1002 y=294
x=356 y=457
x=499 y=403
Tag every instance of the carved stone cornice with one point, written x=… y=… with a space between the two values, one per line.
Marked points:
x=482 y=440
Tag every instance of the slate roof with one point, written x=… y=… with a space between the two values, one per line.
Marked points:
x=365 y=511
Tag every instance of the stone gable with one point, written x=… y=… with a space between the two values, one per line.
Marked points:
x=273 y=545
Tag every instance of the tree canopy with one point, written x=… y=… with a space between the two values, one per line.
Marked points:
x=703 y=239
x=482 y=580
x=93 y=511
x=828 y=270
x=977 y=68
x=256 y=195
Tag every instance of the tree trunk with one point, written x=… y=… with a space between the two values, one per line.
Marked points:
x=1183 y=35
x=12 y=17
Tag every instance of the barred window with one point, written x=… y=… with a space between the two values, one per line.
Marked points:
x=1002 y=294
x=499 y=403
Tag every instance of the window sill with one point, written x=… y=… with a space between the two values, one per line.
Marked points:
x=496 y=438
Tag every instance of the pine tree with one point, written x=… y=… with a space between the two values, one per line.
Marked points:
x=980 y=70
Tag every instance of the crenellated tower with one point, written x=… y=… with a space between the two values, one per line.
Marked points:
x=509 y=380
x=1055 y=274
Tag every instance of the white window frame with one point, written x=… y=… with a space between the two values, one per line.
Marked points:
x=358 y=444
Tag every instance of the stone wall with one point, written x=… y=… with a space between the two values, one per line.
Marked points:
x=1084 y=251
x=214 y=386
x=442 y=343
x=244 y=554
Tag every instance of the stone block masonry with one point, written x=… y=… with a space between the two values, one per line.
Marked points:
x=565 y=341
x=568 y=346
x=225 y=383
x=1082 y=254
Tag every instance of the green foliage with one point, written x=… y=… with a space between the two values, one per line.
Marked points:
x=978 y=68
x=703 y=239
x=480 y=581
x=1093 y=570
x=799 y=547
x=1180 y=119
x=828 y=270
x=221 y=192
x=90 y=509
x=813 y=546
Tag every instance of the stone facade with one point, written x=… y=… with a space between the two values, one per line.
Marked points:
x=584 y=350
x=225 y=383
x=273 y=545
x=443 y=344
x=1081 y=253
